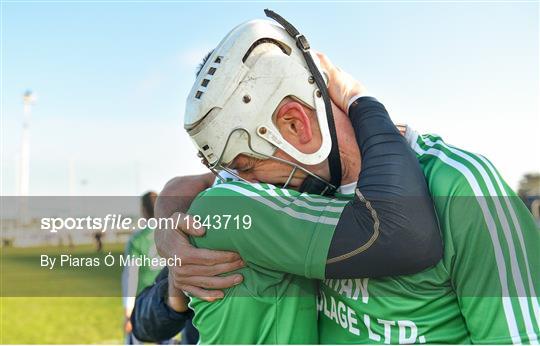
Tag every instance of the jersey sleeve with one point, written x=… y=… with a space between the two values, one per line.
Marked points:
x=491 y=252
x=267 y=226
x=390 y=228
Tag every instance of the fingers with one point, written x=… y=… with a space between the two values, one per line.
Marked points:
x=199 y=281
x=341 y=85
x=323 y=58
x=205 y=257
x=208 y=282
x=185 y=224
x=213 y=270
x=326 y=64
x=207 y=295
x=170 y=244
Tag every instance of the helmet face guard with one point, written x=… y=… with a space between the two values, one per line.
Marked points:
x=229 y=110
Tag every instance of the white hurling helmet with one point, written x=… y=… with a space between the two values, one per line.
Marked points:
x=229 y=110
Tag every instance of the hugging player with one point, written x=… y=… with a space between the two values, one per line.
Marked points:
x=379 y=222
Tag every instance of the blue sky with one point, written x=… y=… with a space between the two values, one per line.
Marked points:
x=111 y=80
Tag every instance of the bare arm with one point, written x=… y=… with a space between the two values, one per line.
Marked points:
x=200 y=267
x=179 y=192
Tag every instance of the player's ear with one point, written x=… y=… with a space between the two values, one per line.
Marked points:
x=294 y=124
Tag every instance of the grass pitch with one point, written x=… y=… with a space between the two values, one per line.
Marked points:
x=28 y=318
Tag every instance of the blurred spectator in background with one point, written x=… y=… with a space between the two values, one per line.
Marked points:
x=99 y=242
x=135 y=278
x=529 y=191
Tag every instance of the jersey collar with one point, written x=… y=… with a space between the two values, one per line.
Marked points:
x=347 y=189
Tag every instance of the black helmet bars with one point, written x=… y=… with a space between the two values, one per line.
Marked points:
x=312 y=184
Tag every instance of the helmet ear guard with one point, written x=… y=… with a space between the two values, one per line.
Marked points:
x=272 y=135
x=229 y=109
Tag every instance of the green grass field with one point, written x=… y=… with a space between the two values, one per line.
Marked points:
x=58 y=316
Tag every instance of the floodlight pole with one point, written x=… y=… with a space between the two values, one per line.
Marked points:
x=24 y=177
x=24 y=164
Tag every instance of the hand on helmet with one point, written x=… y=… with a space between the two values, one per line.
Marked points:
x=341 y=85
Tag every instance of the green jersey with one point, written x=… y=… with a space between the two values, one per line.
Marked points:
x=483 y=290
x=284 y=237
x=136 y=278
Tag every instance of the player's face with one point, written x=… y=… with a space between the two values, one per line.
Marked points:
x=265 y=171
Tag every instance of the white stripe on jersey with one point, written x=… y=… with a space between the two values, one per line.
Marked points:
x=321 y=199
x=286 y=210
x=534 y=297
x=516 y=273
x=499 y=258
x=304 y=195
x=296 y=201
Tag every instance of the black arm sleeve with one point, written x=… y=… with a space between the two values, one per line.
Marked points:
x=152 y=319
x=390 y=227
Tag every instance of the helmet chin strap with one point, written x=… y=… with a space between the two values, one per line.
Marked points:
x=313 y=184
x=316 y=187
